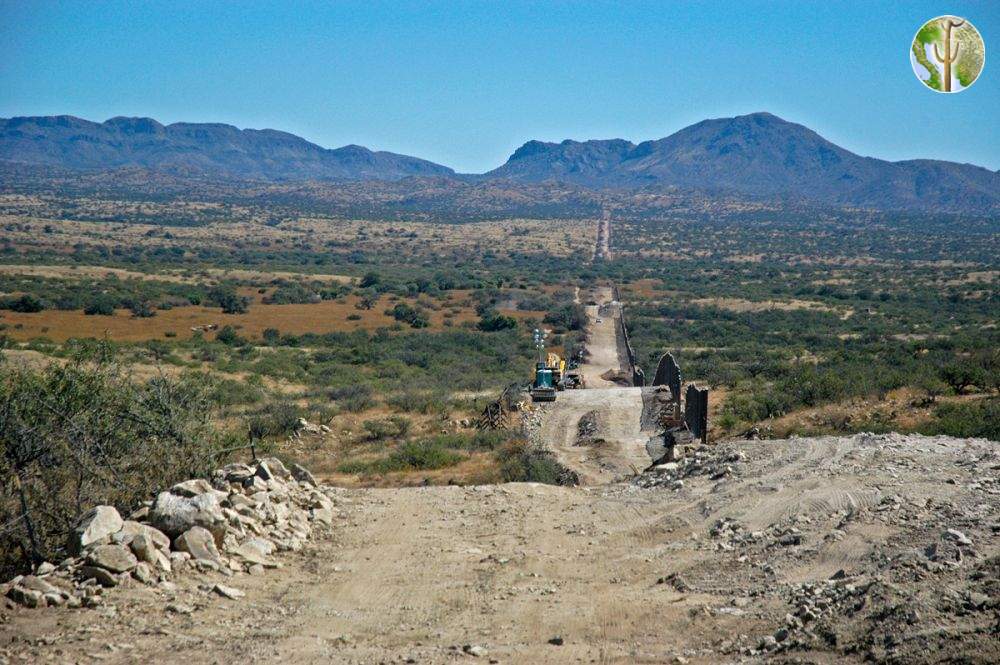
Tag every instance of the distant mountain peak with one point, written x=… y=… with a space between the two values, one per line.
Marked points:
x=757 y=154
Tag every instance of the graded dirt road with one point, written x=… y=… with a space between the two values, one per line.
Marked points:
x=837 y=549
x=615 y=448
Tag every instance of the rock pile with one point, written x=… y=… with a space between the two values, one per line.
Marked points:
x=303 y=426
x=814 y=601
x=702 y=461
x=231 y=524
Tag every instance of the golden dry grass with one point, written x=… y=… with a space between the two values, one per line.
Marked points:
x=296 y=319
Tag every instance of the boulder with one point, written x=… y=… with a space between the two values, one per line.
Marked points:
x=199 y=543
x=254 y=485
x=160 y=539
x=144 y=548
x=144 y=573
x=163 y=561
x=104 y=577
x=130 y=529
x=173 y=514
x=192 y=488
x=33 y=583
x=237 y=501
x=228 y=592
x=26 y=597
x=236 y=473
x=302 y=474
x=96 y=526
x=45 y=568
x=255 y=551
x=323 y=515
x=271 y=468
x=116 y=558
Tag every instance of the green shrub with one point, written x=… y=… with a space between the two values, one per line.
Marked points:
x=386 y=428
x=26 y=304
x=227 y=335
x=493 y=321
x=83 y=433
x=416 y=317
x=571 y=316
x=416 y=402
x=410 y=456
x=275 y=420
x=230 y=301
x=979 y=419
x=142 y=309
x=522 y=462
x=100 y=306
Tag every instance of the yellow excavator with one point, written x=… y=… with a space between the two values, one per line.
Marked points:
x=558 y=367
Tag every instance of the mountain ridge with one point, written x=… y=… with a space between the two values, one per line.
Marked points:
x=212 y=148
x=758 y=155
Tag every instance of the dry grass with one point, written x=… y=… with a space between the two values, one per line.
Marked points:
x=740 y=305
x=324 y=317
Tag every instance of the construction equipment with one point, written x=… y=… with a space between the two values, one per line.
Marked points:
x=543 y=384
x=558 y=367
x=573 y=380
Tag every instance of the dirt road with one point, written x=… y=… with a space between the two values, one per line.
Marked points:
x=619 y=573
x=613 y=447
x=602 y=342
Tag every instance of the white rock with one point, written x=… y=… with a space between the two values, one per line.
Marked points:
x=96 y=526
x=45 y=568
x=958 y=537
x=174 y=514
x=323 y=515
x=144 y=573
x=193 y=488
x=102 y=576
x=301 y=474
x=199 y=543
x=271 y=468
x=26 y=597
x=144 y=548
x=228 y=592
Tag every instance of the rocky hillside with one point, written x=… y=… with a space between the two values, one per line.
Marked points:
x=196 y=148
x=759 y=155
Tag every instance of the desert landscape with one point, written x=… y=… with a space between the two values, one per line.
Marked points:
x=528 y=333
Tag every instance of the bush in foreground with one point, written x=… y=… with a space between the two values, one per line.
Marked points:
x=84 y=433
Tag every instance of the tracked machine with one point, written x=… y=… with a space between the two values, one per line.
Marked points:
x=548 y=374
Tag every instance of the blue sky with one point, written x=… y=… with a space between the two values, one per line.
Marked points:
x=465 y=83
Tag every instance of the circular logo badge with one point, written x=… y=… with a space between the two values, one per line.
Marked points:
x=947 y=54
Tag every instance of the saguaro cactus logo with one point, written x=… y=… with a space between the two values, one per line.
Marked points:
x=947 y=54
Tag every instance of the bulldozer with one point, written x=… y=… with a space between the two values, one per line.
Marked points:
x=548 y=372
x=542 y=387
